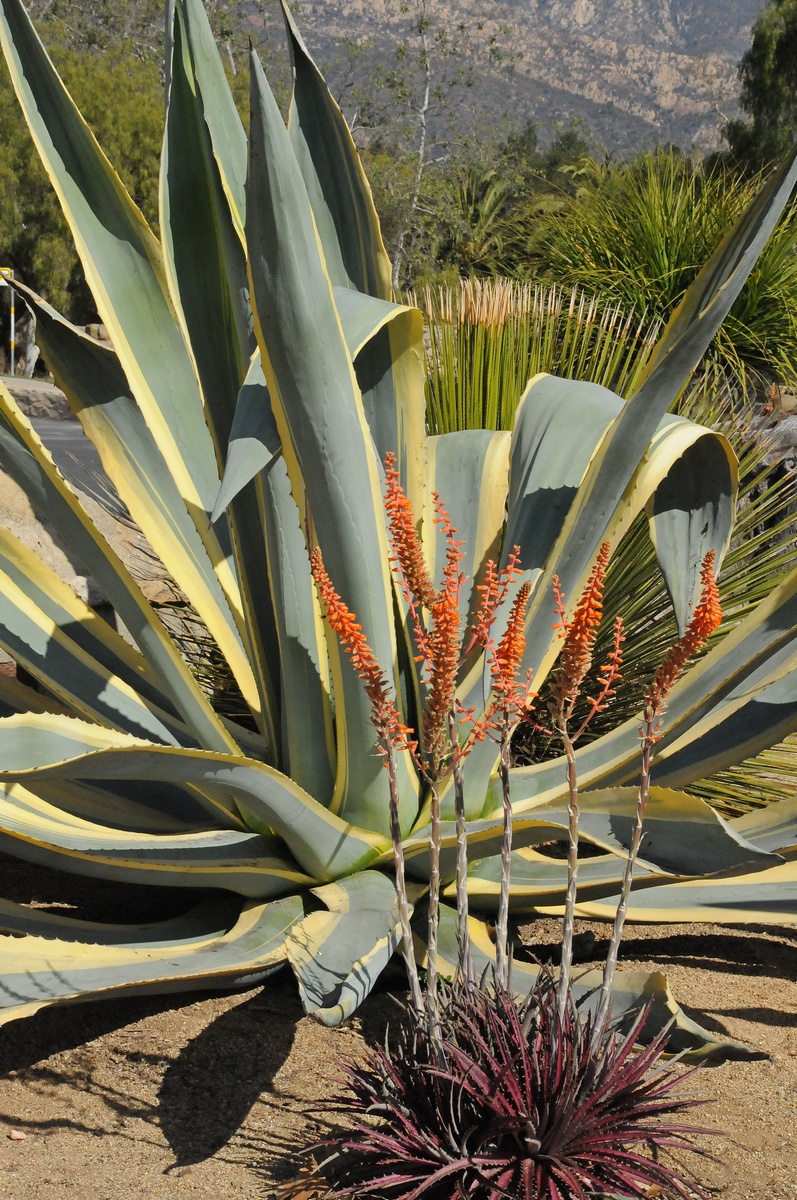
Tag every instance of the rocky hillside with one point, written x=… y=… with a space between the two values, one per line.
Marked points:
x=636 y=71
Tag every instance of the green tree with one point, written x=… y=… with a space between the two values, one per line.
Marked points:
x=478 y=203
x=768 y=73
x=109 y=53
x=412 y=119
x=495 y=195
x=122 y=97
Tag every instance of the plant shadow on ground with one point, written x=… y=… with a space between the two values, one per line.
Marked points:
x=200 y=1096
x=209 y=1089
x=768 y=951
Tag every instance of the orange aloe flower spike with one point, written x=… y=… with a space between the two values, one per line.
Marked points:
x=706 y=618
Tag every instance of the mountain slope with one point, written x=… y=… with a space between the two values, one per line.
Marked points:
x=636 y=71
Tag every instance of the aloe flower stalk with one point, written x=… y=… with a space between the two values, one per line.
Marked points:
x=439 y=642
x=706 y=619
x=393 y=735
x=509 y=705
x=465 y=967
x=578 y=633
x=438 y=652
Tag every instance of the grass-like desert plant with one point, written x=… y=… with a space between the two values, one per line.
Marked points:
x=521 y=1107
x=637 y=232
x=488 y=337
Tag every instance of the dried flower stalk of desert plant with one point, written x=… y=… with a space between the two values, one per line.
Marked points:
x=437 y=641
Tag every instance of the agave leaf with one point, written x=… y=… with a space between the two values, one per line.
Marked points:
x=91 y=669
x=204 y=257
x=97 y=390
x=210 y=917
x=325 y=440
x=336 y=183
x=683 y=835
x=254 y=442
x=539 y=882
x=16 y=697
x=761 y=722
x=484 y=840
x=385 y=342
x=208 y=947
x=323 y=844
x=24 y=457
x=123 y=266
x=684 y=466
x=227 y=134
x=206 y=267
x=736 y=898
x=470 y=471
x=691 y=512
x=770 y=828
x=160 y=809
x=632 y=991
x=254 y=439
x=30 y=739
x=559 y=425
x=338 y=954
x=307 y=741
x=236 y=861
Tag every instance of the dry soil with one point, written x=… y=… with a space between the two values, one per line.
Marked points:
x=212 y=1095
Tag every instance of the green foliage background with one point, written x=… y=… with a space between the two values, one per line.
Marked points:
x=121 y=97
x=768 y=74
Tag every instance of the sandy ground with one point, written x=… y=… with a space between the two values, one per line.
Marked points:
x=212 y=1095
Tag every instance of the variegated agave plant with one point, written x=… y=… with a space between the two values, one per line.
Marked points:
x=260 y=373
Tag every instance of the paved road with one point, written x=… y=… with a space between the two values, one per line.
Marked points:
x=76 y=459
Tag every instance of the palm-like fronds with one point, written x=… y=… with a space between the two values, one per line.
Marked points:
x=756 y=783
x=638 y=232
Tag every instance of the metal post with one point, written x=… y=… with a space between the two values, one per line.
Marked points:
x=8 y=273
x=13 y=327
